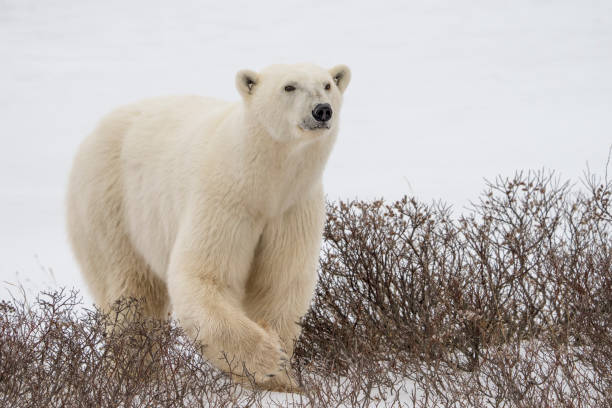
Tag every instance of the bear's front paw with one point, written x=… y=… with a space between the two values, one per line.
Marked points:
x=269 y=359
x=284 y=382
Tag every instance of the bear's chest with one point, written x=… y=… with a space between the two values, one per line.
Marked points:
x=280 y=187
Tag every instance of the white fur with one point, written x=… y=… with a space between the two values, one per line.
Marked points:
x=211 y=209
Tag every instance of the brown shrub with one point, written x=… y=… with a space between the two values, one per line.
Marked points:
x=510 y=305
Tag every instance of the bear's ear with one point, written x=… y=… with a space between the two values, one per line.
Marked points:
x=246 y=80
x=341 y=75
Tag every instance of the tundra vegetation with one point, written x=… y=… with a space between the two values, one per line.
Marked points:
x=507 y=305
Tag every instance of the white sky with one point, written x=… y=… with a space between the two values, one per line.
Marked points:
x=443 y=93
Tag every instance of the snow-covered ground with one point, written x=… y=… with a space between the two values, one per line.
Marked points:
x=444 y=92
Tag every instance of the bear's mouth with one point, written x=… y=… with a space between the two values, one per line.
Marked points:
x=313 y=125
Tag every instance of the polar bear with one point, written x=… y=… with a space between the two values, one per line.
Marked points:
x=213 y=210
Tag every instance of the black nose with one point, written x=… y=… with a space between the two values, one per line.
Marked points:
x=322 y=112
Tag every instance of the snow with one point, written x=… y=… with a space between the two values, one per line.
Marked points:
x=444 y=93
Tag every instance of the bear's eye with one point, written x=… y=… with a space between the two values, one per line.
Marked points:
x=289 y=88
x=327 y=87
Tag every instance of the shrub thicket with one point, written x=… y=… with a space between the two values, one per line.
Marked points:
x=510 y=305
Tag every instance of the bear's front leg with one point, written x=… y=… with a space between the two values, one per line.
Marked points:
x=206 y=279
x=284 y=273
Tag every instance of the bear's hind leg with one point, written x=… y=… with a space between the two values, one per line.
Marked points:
x=127 y=276
x=113 y=271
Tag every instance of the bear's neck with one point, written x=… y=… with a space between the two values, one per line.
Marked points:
x=279 y=174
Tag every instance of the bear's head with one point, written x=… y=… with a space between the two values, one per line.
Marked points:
x=294 y=102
